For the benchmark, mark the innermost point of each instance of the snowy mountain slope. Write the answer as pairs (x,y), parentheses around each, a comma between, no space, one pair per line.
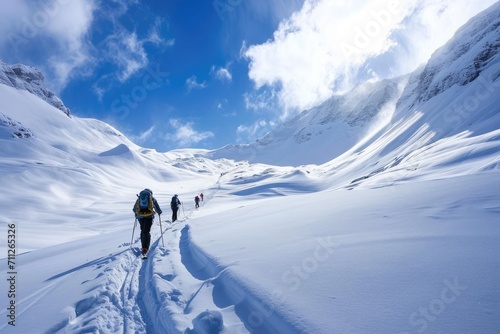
(54,157)
(30,79)
(475,45)
(362,261)
(399,234)
(323,132)
(461,79)
(455,121)
(11,129)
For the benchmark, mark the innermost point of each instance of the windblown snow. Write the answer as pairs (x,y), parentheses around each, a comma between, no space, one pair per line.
(376,212)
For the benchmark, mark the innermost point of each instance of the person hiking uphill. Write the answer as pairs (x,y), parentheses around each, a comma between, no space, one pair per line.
(201,196)
(174,204)
(197,202)
(144,209)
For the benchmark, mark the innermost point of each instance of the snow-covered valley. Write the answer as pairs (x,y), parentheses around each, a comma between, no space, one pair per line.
(395,231)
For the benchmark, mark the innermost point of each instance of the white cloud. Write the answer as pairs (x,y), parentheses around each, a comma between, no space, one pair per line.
(127,52)
(154,35)
(264,100)
(248,133)
(71,21)
(10,15)
(61,24)
(192,83)
(221,73)
(56,35)
(144,136)
(70,27)
(328,46)
(185,135)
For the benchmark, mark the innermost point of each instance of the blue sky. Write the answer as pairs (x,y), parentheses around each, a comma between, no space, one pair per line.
(194,73)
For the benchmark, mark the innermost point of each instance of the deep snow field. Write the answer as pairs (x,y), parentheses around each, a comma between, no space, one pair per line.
(397,232)
(311,249)
(268,253)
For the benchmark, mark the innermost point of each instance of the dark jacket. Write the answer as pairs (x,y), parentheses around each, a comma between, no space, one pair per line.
(175,203)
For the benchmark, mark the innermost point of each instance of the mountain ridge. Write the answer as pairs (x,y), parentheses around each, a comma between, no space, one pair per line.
(433,97)
(362,243)
(476,42)
(455,91)
(339,123)
(32,80)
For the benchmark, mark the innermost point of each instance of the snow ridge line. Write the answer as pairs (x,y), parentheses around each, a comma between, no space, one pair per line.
(257,313)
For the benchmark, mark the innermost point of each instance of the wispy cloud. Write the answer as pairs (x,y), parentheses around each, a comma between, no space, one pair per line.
(222,109)
(263,100)
(143,137)
(328,46)
(155,37)
(184,134)
(192,83)
(248,133)
(221,73)
(62,32)
(127,52)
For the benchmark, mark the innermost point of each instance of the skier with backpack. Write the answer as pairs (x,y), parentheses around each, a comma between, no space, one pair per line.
(174,204)
(197,202)
(144,209)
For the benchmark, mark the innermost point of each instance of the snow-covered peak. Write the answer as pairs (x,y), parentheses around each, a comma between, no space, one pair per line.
(29,78)
(399,234)
(464,73)
(324,132)
(472,50)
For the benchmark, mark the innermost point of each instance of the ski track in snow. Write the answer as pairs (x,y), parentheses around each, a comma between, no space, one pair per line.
(118,296)
(140,296)
(127,296)
(143,296)
(371,264)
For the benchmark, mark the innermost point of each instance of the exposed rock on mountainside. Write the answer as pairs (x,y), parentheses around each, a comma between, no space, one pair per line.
(13,128)
(460,61)
(28,78)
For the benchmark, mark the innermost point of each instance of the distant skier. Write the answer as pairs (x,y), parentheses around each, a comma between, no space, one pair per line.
(197,202)
(174,204)
(144,209)
(201,196)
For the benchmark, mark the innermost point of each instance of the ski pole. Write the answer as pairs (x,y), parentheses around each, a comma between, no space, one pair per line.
(133,230)
(161,232)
